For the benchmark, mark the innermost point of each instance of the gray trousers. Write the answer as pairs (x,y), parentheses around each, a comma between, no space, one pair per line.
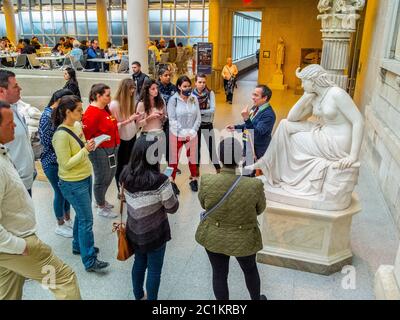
(103,174)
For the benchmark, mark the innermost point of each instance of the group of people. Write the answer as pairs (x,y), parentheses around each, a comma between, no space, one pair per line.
(167,116)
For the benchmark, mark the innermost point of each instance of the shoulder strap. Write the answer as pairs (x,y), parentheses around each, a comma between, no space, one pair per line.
(73,135)
(220,202)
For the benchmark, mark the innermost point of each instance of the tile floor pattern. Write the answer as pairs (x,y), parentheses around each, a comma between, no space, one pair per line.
(187,273)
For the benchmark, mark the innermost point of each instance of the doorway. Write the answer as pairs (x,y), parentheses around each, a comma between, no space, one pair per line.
(246,35)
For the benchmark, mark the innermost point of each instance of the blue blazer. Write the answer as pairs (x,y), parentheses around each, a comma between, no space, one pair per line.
(262,125)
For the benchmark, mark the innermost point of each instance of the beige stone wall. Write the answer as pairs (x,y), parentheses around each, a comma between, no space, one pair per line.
(295,21)
(378,96)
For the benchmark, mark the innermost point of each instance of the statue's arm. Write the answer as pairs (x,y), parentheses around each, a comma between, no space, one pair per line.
(302,109)
(349,109)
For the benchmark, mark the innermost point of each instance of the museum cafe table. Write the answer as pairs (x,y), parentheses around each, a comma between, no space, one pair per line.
(104,60)
(51,60)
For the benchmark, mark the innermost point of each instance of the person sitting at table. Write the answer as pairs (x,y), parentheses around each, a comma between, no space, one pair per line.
(83,46)
(94,52)
(28,49)
(77,52)
(20,45)
(35,42)
(3,49)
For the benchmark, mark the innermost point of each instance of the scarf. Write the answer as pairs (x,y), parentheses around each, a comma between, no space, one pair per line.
(203,98)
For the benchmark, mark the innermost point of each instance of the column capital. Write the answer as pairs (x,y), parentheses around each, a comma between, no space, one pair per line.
(339,16)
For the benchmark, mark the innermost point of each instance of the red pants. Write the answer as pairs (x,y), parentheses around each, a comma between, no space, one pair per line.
(176,145)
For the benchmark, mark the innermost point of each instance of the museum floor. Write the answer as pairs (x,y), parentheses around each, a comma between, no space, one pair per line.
(187,272)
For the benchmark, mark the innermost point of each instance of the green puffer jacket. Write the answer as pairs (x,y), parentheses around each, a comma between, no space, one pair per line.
(232,229)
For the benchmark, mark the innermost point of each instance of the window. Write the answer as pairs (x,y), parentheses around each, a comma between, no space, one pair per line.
(184,21)
(246,32)
(3,31)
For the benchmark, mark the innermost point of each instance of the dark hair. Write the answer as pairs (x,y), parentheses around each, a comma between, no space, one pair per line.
(200,75)
(60,113)
(27,42)
(84,42)
(108,44)
(139,171)
(125,40)
(3,105)
(5,75)
(98,88)
(161,71)
(265,91)
(181,80)
(180,44)
(145,96)
(171,44)
(137,63)
(72,75)
(58,95)
(230,152)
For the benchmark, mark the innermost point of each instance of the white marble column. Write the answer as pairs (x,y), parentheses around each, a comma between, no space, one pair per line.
(138,32)
(338,19)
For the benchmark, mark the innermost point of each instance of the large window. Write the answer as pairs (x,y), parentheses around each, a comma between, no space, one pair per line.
(184,21)
(246,32)
(2,25)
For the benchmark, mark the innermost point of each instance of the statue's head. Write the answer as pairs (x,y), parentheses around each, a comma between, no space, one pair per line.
(312,76)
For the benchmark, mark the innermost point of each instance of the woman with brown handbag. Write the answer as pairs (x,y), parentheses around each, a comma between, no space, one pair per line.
(149,197)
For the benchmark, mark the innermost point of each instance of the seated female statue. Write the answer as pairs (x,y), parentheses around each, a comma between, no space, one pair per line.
(313,163)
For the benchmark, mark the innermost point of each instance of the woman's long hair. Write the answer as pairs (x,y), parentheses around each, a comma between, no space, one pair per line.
(145,96)
(125,99)
(143,168)
(72,75)
(60,113)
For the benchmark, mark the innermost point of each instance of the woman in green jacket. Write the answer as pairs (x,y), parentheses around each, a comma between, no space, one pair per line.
(231,229)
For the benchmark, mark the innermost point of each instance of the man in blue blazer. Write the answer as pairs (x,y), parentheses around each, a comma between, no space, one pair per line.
(258,124)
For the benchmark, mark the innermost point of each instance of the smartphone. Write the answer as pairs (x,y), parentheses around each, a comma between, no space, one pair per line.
(111,161)
(168,171)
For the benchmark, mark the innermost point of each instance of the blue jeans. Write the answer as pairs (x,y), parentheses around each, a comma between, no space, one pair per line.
(60,205)
(153,262)
(79,195)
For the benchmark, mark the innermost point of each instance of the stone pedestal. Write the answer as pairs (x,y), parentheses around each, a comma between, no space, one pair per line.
(277,82)
(316,241)
(387,281)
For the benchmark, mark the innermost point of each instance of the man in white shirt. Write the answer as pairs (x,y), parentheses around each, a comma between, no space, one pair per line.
(22,254)
(20,149)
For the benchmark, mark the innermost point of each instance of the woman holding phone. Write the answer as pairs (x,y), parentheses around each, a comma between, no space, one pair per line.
(75,173)
(98,120)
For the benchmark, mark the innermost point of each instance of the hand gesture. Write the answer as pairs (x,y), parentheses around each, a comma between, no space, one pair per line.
(90,145)
(230,128)
(245,113)
(154,115)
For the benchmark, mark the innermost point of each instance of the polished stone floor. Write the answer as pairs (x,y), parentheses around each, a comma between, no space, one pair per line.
(187,272)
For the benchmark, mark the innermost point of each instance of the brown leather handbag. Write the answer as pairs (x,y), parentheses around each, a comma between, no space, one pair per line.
(125,251)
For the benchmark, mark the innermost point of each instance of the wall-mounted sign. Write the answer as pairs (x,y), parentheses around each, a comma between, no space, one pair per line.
(204,57)
(267,54)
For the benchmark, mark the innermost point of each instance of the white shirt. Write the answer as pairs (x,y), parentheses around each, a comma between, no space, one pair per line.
(17,214)
(20,149)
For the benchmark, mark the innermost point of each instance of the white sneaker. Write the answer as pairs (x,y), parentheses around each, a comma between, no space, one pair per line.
(106,212)
(69,223)
(107,205)
(64,231)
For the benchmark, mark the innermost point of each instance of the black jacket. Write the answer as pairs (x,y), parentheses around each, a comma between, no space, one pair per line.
(73,86)
(139,79)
